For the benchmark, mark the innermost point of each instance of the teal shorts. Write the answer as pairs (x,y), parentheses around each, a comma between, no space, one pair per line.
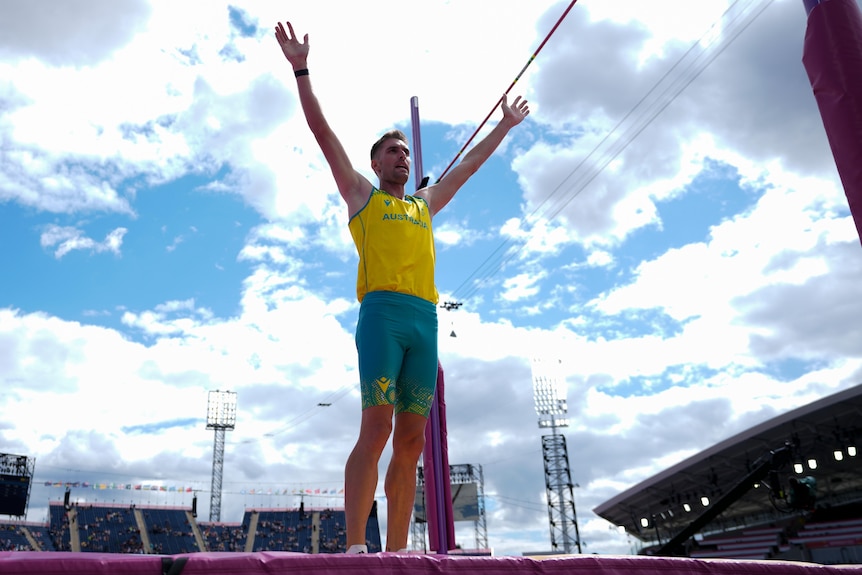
(396,337)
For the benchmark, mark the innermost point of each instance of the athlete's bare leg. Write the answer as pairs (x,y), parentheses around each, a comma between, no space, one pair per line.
(360,473)
(407,444)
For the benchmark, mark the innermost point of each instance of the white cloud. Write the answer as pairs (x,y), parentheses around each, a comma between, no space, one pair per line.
(68,239)
(521,286)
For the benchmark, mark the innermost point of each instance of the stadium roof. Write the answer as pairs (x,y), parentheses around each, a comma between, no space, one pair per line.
(818,430)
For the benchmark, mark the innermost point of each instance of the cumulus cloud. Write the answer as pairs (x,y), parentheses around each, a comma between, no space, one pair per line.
(73,33)
(68,238)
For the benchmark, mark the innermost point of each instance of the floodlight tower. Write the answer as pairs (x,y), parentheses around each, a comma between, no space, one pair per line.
(549,394)
(221,416)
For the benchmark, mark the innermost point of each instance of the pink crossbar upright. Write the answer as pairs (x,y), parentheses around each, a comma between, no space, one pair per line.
(438,492)
(832,56)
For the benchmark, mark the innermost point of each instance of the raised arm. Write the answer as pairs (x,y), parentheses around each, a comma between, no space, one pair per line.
(352,185)
(439,194)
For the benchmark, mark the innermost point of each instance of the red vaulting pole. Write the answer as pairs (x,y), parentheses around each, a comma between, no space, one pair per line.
(832,56)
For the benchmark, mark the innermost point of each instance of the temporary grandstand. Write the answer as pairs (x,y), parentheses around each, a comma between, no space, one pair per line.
(158,530)
(750,496)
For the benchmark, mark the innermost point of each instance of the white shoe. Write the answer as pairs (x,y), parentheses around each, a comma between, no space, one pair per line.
(357,549)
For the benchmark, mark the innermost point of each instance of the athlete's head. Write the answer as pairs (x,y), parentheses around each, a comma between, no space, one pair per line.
(390,158)
(397,134)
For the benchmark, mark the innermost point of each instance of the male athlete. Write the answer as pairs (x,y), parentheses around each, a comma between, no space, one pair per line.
(396,333)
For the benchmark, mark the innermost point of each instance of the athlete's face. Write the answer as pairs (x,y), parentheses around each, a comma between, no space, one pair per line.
(393,161)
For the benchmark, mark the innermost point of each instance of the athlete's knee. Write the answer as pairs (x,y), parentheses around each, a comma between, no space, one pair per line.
(409,437)
(375,428)
(408,446)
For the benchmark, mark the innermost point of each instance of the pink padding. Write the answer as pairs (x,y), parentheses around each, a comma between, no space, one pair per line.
(49,563)
(832,57)
(32,562)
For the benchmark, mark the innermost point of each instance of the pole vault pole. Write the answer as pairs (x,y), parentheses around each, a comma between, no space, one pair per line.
(512,85)
(438,499)
(832,56)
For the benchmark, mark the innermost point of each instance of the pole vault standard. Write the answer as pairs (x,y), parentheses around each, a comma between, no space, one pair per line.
(438,491)
(832,56)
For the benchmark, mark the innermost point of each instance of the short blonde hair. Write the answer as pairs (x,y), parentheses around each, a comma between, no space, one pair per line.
(397,134)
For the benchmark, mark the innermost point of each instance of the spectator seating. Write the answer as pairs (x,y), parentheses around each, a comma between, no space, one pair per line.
(757,543)
(224,536)
(108,529)
(283,530)
(12,538)
(59,523)
(169,531)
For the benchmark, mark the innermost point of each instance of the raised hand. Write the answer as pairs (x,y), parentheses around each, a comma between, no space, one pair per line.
(295,51)
(515,113)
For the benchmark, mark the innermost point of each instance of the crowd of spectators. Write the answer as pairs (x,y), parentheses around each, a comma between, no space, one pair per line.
(170,531)
(282,531)
(59,528)
(12,538)
(110,529)
(224,536)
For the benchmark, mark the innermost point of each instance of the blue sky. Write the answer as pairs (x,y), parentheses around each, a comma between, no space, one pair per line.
(170,228)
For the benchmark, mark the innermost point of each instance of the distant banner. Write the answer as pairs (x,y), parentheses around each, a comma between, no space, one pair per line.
(151,487)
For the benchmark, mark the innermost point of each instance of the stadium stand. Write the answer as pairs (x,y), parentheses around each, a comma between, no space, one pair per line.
(744,544)
(25,536)
(787,489)
(171,531)
(280,529)
(108,530)
(224,537)
(830,542)
(59,527)
(12,538)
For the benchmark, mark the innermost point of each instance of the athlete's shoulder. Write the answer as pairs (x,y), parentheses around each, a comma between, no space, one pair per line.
(419,201)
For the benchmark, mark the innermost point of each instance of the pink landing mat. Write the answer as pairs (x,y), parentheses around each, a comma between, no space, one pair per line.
(28,562)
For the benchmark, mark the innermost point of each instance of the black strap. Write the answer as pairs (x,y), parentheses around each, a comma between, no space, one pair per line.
(171,566)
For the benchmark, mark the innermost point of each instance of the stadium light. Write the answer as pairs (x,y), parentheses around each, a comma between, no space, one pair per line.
(812,463)
(221,410)
(704,501)
(838,455)
(687,507)
(851,451)
(221,417)
(644,522)
(549,393)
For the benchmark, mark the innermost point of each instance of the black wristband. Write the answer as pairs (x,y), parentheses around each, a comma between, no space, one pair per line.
(302,72)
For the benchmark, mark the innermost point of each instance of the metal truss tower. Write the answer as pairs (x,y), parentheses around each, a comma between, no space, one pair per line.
(461,474)
(549,393)
(561,498)
(221,416)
